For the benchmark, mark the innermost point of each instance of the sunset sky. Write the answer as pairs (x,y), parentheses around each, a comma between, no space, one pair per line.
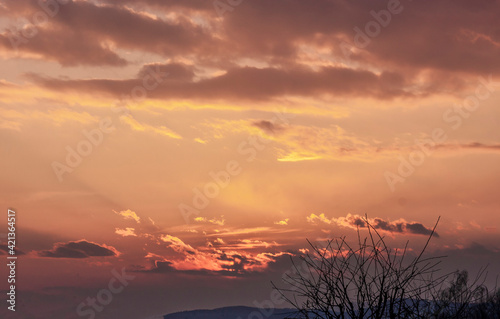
(197,144)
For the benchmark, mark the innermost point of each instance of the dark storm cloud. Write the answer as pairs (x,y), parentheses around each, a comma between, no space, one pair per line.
(79,249)
(417,228)
(402,227)
(399,226)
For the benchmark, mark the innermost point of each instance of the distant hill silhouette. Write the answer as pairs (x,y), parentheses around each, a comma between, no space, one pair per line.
(231,313)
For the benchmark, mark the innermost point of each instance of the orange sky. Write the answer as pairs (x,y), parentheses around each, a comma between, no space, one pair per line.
(198,145)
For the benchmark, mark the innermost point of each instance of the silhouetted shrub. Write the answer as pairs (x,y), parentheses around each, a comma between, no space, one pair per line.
(371,280)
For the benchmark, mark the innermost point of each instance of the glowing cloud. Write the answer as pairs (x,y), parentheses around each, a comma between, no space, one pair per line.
(214,221)
(128,214)
(129,231)
(282,222)
(314,219)
(177,244)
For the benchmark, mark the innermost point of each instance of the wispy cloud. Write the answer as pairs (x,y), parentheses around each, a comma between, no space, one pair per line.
(177,244)
(161,130)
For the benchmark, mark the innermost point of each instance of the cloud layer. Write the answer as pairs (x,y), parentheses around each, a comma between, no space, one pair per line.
(304,55)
